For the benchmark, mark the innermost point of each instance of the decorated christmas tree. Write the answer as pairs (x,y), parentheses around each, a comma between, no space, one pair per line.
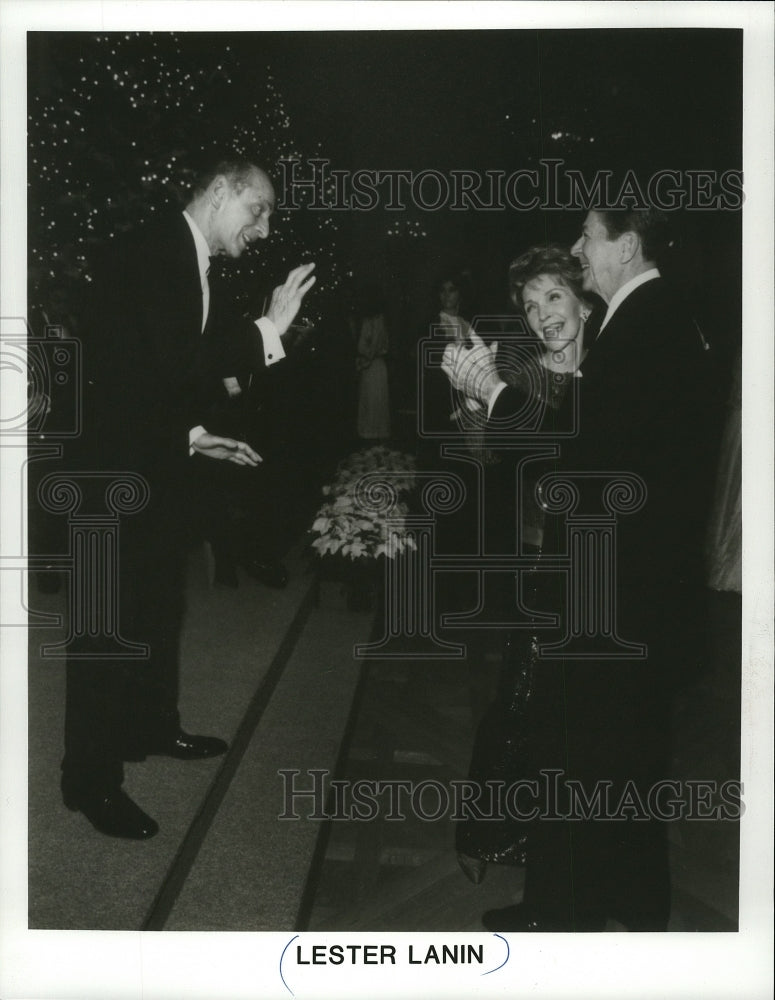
(117,124)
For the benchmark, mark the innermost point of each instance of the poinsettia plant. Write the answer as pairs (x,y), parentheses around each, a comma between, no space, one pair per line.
(349,524)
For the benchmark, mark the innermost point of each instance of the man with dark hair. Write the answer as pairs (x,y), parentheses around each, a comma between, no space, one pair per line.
(616,247)
(152,346)
(651,225)
(604,719)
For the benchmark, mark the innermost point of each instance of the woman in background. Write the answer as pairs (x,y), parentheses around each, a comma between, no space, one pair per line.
(373,396)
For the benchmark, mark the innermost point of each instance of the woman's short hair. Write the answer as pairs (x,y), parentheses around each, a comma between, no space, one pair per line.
(549,259)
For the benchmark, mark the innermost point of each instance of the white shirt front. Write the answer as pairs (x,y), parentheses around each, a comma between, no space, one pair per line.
(203,262)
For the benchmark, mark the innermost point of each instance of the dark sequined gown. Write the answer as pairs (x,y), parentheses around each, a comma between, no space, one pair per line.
(506,733)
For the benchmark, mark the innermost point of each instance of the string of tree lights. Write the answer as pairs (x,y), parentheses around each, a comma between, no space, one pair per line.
(116,125)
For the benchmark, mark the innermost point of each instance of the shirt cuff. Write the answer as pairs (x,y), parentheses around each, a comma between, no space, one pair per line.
(491,402)
(273,346)
(193,434)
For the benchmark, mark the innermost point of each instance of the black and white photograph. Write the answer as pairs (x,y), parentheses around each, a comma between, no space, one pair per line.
(387,469)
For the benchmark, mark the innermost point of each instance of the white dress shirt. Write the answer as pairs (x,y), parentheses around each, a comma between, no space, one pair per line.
(203,261)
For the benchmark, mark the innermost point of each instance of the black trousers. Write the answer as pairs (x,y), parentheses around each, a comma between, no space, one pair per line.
(599,744)
(116,706)
(240,508)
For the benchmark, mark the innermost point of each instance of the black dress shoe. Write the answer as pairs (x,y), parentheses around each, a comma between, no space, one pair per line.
(112,813)
(270,572)
(184,746)
(524,919)
(474,869)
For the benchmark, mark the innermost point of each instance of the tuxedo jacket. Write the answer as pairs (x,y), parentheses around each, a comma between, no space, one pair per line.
(642,398)
(150,369)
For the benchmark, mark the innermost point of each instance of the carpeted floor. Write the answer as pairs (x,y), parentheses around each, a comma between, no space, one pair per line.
(275,678)
(414,722)
(278,679)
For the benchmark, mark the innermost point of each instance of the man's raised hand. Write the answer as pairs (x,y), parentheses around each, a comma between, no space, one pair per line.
(286,299)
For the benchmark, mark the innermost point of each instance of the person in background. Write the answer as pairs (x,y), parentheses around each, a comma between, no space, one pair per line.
(373,422)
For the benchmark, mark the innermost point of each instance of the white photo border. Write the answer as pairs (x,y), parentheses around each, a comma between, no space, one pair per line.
(59,964)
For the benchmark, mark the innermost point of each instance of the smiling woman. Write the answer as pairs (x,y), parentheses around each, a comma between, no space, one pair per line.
(546,283)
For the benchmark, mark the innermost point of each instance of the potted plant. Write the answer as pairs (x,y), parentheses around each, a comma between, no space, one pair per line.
(359,525)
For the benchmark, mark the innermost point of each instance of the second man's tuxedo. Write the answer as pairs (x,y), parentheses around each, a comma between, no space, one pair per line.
(641,400)
(606,721)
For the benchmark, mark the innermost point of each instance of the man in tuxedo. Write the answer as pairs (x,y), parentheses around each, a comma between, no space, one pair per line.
(152,343)
(243,505)
(603,722)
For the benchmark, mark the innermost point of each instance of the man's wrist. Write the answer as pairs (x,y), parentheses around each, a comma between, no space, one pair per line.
(273,345)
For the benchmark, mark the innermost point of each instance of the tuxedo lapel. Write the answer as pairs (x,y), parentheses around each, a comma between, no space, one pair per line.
(620,343)
(187,267)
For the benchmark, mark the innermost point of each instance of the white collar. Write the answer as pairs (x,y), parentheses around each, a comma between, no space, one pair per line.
(202,249)
(621,293)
